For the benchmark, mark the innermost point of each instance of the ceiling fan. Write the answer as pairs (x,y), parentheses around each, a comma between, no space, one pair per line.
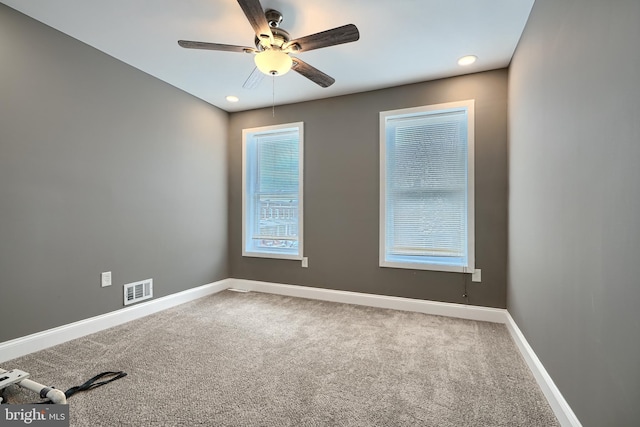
(274,46)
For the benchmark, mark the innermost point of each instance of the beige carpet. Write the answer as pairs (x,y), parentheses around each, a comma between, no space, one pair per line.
(253,359)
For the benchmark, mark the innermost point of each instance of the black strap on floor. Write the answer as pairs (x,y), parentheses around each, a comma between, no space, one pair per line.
(89,385)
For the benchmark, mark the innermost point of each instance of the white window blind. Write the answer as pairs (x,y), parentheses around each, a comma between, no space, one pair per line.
(272,196)
(427,187)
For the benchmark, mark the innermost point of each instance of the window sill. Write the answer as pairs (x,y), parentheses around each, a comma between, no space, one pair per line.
(272,256)
(427,267)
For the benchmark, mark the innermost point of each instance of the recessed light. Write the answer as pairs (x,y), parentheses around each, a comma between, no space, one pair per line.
(232,98)
(467,60)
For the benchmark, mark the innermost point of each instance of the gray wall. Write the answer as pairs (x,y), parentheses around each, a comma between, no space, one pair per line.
(342,185)
(102,168)
(574,234)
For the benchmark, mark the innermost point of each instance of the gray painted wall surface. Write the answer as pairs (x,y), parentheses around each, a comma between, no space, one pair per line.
(342,186)
(574,234)
(102,168)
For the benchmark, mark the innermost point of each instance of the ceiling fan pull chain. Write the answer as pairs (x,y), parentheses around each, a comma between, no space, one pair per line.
(273,95)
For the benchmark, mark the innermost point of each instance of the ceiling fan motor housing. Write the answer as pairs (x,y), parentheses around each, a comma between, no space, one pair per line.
(280,36)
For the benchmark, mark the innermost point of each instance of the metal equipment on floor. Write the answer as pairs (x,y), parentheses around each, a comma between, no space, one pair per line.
(21,379)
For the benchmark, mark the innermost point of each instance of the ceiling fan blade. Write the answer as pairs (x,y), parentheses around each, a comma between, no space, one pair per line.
(255,14)
(214,46)
(345,34)
(254,79)
(312,73)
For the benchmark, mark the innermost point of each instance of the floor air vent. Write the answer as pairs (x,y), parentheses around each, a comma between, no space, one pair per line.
(138,291)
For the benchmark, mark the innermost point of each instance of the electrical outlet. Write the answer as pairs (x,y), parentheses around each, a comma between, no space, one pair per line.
(105,279)
(476,276)
(305,262)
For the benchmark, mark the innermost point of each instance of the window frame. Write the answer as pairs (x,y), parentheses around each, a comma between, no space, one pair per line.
(469,106)
(249,135)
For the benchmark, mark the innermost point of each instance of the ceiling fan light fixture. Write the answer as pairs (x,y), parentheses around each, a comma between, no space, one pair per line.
(273,62)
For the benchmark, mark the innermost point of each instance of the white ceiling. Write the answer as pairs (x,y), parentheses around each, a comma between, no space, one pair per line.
(401,41)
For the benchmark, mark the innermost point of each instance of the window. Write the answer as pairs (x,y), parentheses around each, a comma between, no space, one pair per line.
(272,160)
(426,187)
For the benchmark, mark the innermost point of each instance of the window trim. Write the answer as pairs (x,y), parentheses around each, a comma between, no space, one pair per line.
(246,133)
(384,115)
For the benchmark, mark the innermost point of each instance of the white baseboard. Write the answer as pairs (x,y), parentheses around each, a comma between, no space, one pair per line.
(471,312)
(41,340)
(45,339)
(559,405)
